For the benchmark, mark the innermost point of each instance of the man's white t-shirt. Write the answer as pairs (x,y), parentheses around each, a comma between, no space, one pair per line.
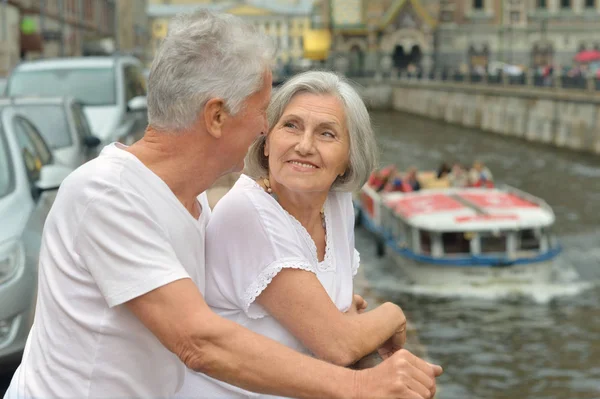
(116,231)
(250,239)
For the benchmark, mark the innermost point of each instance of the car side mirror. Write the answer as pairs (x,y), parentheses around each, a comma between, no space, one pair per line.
(51,176)
(91,141)
(137,104)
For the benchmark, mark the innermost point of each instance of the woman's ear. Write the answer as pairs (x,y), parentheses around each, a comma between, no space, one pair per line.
(266,147)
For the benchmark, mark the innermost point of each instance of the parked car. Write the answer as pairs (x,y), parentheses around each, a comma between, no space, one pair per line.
(29,178)
(112,90)
(63,125)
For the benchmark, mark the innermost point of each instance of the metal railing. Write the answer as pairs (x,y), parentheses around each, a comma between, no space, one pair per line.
(532,80)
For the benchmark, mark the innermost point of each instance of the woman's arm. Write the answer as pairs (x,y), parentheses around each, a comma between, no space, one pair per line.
(299,302)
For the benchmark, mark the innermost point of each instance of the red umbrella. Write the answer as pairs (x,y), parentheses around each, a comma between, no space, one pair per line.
(587,56)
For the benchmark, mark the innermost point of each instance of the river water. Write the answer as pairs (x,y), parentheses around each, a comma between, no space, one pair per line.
(542,345)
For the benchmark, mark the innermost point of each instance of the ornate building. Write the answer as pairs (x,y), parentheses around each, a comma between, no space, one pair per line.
(380,35)
(285,21)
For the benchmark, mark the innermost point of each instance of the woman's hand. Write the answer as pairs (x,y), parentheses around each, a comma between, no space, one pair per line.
(358,305)
(395,342)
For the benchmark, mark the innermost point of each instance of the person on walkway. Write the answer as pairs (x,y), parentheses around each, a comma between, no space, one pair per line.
(287,272)
(120,311)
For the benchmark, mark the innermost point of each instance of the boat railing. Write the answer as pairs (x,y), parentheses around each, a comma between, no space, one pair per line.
(528,197)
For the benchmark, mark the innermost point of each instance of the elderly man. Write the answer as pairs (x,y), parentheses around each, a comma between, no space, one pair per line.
(120,310)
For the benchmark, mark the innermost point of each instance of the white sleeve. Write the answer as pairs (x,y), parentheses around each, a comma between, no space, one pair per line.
(249,241)
(124,249)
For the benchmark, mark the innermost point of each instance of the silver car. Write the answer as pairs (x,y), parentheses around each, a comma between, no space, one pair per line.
(112,90)
(29,179)
(63,125)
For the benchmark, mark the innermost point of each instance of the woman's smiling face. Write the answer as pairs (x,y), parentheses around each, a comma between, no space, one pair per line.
(308,148)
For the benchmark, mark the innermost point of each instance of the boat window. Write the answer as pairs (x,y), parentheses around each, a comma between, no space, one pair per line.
(528,240)
(425,237)
(456,242)
(492,242)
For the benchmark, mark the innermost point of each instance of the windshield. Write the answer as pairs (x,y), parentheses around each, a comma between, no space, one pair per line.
(90,86)
(6,170)
(51,122)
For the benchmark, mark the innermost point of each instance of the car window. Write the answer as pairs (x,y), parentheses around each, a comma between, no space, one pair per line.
(31,157)
(36,138)
(91,86)
(135,84)
(81,123)
(6,170)
(51,122)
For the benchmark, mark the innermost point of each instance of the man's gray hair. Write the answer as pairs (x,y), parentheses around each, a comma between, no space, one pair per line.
(205,55)
(363,148)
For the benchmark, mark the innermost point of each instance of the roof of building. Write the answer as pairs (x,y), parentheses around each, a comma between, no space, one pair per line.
(299,7)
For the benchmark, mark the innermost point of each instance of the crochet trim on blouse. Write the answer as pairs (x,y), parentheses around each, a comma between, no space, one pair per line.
(264,279)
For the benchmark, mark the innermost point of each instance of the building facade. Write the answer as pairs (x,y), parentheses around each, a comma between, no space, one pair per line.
(52,28)
(285,21)
(532,33)
(384,35)
(133,33)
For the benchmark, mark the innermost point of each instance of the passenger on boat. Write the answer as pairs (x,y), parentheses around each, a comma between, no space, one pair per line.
(286,272)
(411,179)
(458,177)
(480,175)
(379,179)
(443,170)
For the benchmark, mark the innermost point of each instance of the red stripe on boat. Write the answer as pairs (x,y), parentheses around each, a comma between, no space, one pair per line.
(424,204)
(497,200)
(484,218)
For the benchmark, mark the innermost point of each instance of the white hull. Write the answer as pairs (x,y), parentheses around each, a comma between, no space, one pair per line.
(428,274)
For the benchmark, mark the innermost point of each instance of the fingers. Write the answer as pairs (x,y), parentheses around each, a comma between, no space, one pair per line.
(399,339)
(437,370)
(418,363)
(360,302)
(421,373)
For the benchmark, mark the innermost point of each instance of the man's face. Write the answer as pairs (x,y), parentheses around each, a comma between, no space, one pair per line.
(241,130)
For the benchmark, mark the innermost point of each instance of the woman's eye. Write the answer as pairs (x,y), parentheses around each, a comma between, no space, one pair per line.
(290,125)
(328,134)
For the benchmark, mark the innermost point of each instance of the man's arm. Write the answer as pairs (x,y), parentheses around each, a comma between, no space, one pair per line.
(179,317)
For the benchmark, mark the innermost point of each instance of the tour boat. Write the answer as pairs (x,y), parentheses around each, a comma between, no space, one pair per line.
(477,236)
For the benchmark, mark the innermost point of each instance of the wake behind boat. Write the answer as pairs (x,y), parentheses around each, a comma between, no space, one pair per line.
(465,235)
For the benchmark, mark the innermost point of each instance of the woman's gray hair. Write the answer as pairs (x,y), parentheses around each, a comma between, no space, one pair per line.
(363,148)
(205,55)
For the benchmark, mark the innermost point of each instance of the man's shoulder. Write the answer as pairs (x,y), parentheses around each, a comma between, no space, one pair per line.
(96,176)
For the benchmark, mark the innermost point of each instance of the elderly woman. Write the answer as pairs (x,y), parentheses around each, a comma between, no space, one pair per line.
(280,245)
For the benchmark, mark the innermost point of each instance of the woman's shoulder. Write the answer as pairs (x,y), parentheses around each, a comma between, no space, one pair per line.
(244,199)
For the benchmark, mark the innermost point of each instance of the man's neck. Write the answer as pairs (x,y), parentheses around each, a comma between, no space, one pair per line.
(182,161)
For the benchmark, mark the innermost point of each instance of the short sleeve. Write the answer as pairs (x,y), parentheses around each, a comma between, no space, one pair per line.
(126,251)
(250,239)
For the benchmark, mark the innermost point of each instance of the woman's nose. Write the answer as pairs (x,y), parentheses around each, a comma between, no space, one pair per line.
(305,143)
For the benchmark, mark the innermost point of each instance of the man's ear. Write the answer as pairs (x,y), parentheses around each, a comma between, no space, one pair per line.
(215,115)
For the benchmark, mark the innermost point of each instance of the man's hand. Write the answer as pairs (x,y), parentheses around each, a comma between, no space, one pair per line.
(401,376)
(358,306)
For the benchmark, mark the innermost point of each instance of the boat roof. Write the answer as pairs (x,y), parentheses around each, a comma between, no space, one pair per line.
(470,209)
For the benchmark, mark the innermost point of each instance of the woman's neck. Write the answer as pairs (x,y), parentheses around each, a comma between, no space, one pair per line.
(305,207)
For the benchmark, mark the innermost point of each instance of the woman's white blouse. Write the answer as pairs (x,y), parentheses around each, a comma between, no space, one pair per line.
(250,238)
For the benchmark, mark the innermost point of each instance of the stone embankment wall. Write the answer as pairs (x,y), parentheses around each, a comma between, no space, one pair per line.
(559,117)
